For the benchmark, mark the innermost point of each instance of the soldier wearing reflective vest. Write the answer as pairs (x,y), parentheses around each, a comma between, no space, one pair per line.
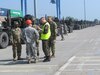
(45,35)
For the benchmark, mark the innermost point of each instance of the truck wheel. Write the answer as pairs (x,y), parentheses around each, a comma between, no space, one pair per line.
(4,40)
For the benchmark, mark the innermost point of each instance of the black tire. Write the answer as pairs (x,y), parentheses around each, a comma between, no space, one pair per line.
(4,40)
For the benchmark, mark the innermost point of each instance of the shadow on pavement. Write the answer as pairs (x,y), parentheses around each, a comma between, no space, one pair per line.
(23,61)
(6,60)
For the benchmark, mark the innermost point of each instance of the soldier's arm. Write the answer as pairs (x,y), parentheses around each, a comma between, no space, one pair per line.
(38,28)
(55,27)
(46,29)
(11,37)
(20,32)
(36,34)
(23,35)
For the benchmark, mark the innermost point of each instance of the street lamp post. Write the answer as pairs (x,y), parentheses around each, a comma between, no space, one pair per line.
(25,1)
(22,6)
(84,10)
(35,9)
(58,7)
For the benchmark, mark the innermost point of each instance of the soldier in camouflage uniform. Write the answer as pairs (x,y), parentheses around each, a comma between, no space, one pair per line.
(59,28)
(53,28)
(16,41)
(31,35)
(37,42)
(45,35)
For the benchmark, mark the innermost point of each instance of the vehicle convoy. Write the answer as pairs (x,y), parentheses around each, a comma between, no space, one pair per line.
(7,18)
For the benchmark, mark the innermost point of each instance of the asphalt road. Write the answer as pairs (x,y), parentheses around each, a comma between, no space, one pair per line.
(78,54)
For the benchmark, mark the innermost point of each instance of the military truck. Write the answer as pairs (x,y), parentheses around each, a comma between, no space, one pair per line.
(7,17)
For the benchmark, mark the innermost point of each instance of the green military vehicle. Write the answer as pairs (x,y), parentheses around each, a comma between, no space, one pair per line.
(7,17)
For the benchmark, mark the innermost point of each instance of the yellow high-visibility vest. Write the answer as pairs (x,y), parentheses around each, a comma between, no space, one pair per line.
(46,36)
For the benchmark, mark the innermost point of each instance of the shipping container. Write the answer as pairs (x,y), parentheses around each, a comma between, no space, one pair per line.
(3,12)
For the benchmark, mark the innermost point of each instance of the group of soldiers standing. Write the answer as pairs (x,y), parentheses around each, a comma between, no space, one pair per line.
(31,35)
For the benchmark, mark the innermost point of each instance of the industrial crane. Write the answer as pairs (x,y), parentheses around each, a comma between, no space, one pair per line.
(57,2)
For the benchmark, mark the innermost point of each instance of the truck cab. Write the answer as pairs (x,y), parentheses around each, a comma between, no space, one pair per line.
(7,17)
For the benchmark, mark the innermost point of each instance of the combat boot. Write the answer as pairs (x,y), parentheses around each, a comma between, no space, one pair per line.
(47,59)
(62,39)
(19,58)
(29,61)
(35,60)
(37,54)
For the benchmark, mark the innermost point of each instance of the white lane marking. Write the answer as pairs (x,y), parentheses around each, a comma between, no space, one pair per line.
(83,64)
(88,57)
(72,70)
(91,40)
(65,66)
(80,66)
(96,43)
(26,68)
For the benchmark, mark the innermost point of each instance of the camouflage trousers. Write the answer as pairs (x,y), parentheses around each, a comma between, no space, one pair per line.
(16,47)
(31,50)
(37,47)
(45,48)
(51,44)
(61,33)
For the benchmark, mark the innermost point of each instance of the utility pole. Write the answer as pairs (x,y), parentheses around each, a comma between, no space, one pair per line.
(35,15)
(84,10)
(22,6)
(25,2)
(58,7)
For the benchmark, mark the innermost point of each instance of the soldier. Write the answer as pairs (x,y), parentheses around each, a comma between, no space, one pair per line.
(53,28)
(37,42)
(65,29)
(61,31)
(60,28)
(16,41)
(45,35)
(31,35)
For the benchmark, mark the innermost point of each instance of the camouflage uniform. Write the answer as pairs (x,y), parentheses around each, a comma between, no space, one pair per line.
(37,42)
(53,28)
(16,42)
(61,31)
(45,35)
(60,28)
(31,35)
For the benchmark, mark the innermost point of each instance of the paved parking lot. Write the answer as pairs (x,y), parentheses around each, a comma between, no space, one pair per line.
(78,54)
